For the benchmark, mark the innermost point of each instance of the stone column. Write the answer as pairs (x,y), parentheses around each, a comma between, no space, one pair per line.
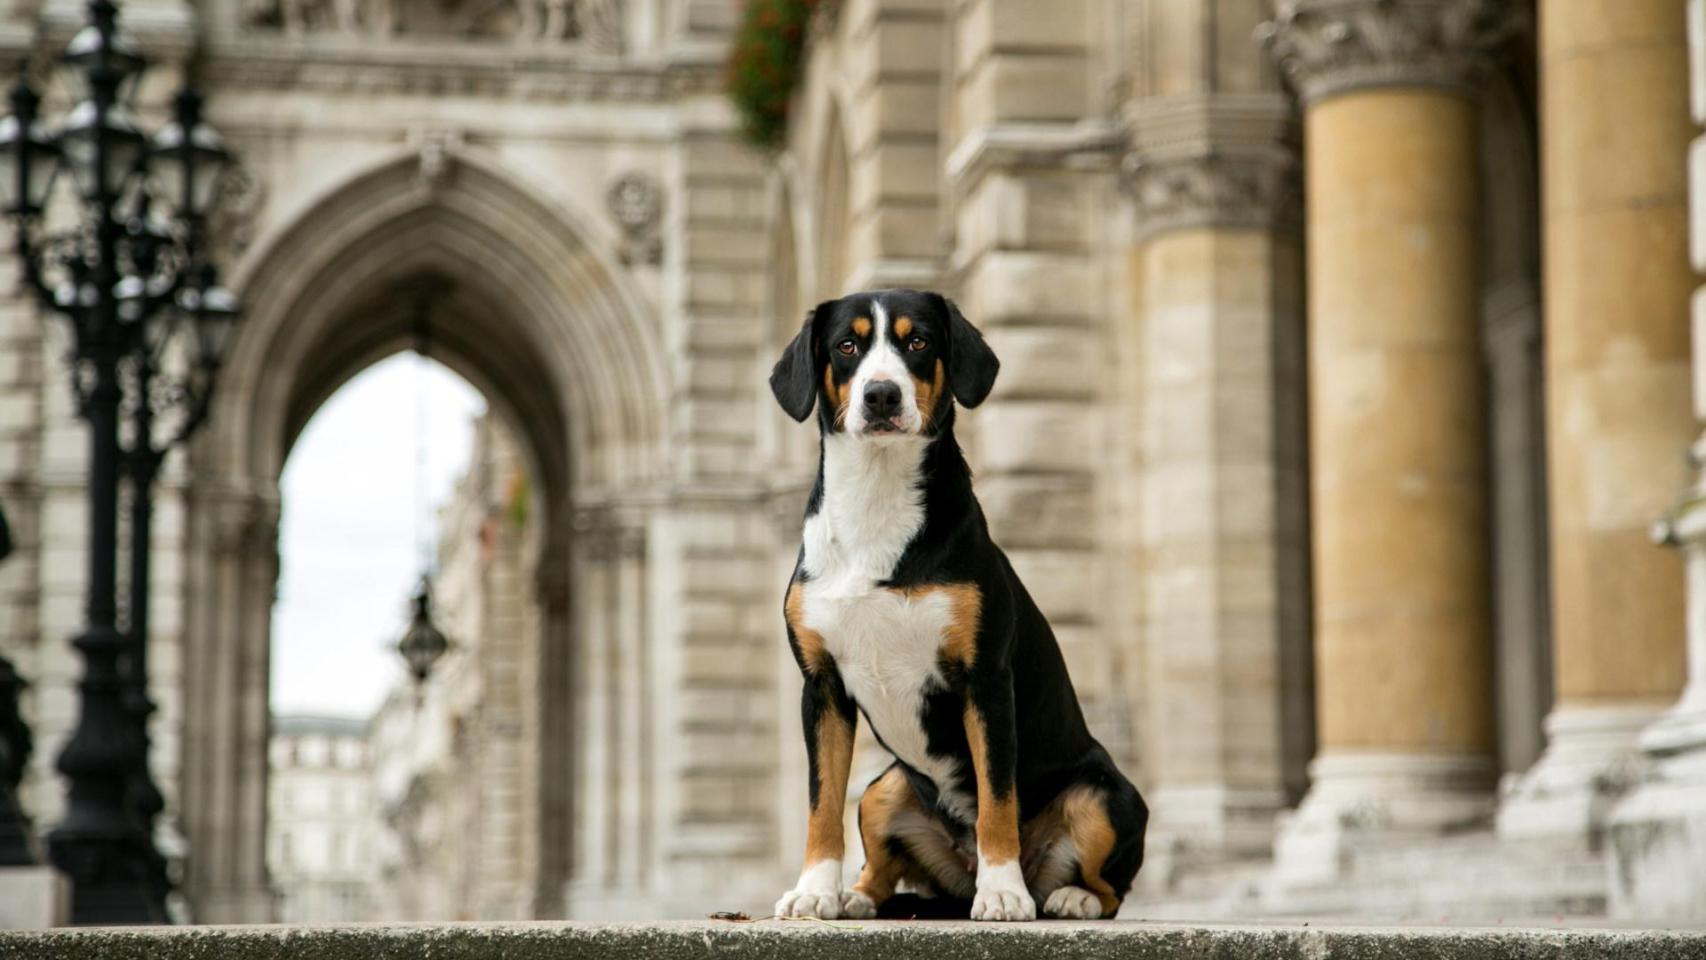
(594,753)
(1615,133)
(226,717)
(1223,557)
(1398,462)
(1658,834)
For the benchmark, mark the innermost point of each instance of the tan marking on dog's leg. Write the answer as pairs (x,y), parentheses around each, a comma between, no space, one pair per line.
(997,817)
(825,830)
(1093,835)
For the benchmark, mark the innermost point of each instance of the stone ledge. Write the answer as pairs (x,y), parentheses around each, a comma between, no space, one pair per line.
(864,940)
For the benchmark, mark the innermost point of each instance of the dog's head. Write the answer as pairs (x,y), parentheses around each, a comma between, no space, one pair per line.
(882,365)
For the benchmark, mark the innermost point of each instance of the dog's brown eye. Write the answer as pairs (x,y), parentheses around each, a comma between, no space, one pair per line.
(847,347)
(916,344)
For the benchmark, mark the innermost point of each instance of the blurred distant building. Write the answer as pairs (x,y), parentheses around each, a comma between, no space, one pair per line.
(450,783)
(1331,436)
(321,849)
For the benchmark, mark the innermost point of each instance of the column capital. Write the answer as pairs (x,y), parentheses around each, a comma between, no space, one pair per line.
(1328,47)
(1213,160)
(1214,188)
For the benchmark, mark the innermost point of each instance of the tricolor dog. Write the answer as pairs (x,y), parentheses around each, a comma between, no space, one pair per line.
(901,608)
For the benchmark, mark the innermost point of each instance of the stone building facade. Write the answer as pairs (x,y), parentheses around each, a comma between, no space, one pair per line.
(1330,435)
(321,828)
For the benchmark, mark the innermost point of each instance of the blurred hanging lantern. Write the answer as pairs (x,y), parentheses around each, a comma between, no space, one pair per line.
(423,643)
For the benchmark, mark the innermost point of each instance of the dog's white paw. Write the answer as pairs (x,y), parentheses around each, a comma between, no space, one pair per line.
(1073,903)
(1003,905)
(810,903)
(1001,894)
(857,906)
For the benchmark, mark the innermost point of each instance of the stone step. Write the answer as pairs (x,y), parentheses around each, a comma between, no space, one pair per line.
(860,940)
(1465,878)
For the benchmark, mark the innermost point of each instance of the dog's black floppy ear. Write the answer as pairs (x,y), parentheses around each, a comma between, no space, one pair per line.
(971,364)
(794,378)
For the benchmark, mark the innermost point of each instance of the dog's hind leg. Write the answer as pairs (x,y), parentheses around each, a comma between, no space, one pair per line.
(1081,854)
(903,842)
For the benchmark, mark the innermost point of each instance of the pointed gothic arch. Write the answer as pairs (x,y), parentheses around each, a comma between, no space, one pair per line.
(527,304)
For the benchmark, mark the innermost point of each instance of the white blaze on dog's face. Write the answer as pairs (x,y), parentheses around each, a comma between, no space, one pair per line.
(883,396)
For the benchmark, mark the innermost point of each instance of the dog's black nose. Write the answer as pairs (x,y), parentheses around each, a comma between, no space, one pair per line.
(882,399)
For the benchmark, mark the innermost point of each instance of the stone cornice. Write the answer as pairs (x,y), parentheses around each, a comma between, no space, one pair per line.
(1333,46)
(439,69)
(1087,145)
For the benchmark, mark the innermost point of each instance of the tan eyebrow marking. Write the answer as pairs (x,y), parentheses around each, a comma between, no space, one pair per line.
(862,327)
(902,328)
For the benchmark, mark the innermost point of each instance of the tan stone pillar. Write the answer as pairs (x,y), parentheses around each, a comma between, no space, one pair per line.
(1223,559)
(1615,131)
(1398,421)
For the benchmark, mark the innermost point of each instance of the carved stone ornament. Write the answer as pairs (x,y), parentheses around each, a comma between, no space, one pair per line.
(636,204)
(438,151)
(231,227)
(594,24)
(1332,46)
(1215,189)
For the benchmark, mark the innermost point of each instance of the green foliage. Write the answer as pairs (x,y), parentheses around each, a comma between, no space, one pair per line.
(765,62)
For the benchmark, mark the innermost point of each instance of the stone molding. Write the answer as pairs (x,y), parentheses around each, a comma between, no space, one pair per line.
(593,24)
(1088,145)
(1328,47)
(1215,188)
(544,74)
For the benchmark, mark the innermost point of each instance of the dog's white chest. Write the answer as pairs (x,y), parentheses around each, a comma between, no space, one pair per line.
(886,646)
(885,643)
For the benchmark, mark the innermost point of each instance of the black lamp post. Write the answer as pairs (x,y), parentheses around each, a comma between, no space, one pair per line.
(133,289)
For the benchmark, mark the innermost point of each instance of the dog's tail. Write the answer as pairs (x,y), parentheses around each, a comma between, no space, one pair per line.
(911,906)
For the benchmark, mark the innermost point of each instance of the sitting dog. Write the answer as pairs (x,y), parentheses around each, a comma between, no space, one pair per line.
(900,607)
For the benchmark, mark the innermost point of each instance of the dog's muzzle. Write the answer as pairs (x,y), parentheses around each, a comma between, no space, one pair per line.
(882,402)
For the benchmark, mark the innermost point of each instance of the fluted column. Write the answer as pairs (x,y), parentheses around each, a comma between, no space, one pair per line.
(1615,132)
(1398,457)
(1218,338)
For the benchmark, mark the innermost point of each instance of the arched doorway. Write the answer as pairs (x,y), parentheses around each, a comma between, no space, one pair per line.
(533,314)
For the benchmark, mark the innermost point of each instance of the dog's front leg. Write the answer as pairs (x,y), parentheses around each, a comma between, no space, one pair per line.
(1001,892)
(829,716)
